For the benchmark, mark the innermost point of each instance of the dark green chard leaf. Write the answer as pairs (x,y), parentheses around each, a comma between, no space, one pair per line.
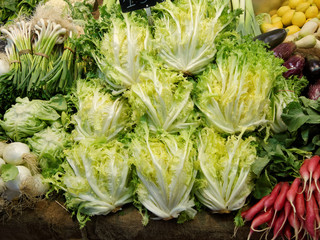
(264,185)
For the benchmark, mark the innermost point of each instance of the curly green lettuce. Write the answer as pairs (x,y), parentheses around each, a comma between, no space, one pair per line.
(233,94)
(166,172)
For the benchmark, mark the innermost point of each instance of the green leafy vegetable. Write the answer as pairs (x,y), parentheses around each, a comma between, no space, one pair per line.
(121,49)
(49,145)
(185,32)
(26,117)
(96,177)
(11,9)
(165,168)
(233,94)
(284,92)
(8,172)
(226,170)
(164,97)
(303,120)
(99,115)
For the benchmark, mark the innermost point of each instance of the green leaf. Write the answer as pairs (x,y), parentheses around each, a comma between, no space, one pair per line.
(259,164)
(264,185)
(294,116)
(238,220)
(9,172)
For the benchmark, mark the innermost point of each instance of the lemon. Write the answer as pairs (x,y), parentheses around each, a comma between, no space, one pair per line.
(277,24)
(312,11)
(299,19)
(294,3)
(275,19)
(287,17)
(282,10)
(292,29)
(317,2)
(266,27)
(302,7)
(274,16)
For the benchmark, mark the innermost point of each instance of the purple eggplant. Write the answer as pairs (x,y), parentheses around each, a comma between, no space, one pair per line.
(272,38)
(295,65)
(314,90)
(312,68)
(284,50)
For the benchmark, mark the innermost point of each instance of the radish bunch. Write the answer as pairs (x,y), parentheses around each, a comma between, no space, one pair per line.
(290,211)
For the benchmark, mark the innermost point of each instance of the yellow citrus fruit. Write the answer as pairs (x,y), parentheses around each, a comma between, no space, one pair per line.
(292,29)
(312,11)
(317,2)
(287,17)
(275,19)
(282,10)
(294,3)
(277,24)
(302,7)
(265,27)
(299,19)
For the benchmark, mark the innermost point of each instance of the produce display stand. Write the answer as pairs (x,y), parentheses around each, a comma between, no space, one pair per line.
(50,221)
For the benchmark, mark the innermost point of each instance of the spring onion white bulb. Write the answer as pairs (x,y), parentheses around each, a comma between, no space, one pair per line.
(2,146)
(15,153)
(18,183)
(4,64)
(39,187)
(2,162)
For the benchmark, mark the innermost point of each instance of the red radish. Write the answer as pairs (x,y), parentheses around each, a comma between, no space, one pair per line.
(310,225)
(311,189)
(281,199)
(316,176)
(300,204)
(243,213)
(312,165)
(273,195)
(260,219)
(295,223)
(292,192)
(304,172)
(287,231)
(278,224)
(286,213)
(255,209)
(317,197)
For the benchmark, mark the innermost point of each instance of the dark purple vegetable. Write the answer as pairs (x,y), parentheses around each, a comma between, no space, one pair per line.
(312,68)
(314,90)
(272,38)
(294,65)
(284,50)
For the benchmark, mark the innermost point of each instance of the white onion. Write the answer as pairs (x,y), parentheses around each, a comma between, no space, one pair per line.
(2,162)
(39,187)
(2,146)
(23,176)
(14,152)
(4,67)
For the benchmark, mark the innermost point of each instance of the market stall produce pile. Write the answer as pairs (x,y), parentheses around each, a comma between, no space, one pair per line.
(174,115)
